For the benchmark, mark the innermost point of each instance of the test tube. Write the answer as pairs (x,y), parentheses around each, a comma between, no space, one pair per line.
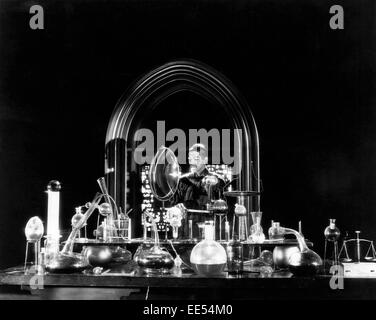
(144,225)
(227,231)
(190,226)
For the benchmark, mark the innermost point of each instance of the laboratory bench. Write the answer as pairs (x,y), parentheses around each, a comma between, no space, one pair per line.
(119,284)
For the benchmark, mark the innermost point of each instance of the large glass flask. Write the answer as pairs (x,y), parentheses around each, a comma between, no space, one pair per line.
(208,257)
(156,259)
(305,261)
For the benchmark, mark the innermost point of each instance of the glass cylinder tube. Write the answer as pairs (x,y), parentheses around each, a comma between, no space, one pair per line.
(234,252)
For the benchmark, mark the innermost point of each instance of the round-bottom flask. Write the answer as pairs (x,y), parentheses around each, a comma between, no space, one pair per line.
(208,257)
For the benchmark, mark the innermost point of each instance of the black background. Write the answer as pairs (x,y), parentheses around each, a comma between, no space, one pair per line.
(311,90)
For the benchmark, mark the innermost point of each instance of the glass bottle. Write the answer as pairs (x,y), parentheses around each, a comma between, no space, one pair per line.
(208,257)
(275,231)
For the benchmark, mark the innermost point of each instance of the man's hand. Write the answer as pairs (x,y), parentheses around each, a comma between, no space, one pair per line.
(182,208)
(210,180)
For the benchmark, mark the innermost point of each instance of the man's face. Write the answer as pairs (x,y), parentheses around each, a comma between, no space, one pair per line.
(196,161)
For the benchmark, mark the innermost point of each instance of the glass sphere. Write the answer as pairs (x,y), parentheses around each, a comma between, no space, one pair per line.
(76,219)
(281,255)
(266,256)
(220,207)
(240,210)
(105,209)
(98,256)
(54,185)
(305,263)
(34,229)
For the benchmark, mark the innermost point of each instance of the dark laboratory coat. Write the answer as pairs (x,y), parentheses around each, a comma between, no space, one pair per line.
(193,193)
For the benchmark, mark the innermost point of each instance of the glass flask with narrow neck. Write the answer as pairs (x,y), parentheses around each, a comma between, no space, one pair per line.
(331,232)
(208,257)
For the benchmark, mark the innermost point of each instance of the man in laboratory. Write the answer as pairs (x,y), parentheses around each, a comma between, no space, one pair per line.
(195,190)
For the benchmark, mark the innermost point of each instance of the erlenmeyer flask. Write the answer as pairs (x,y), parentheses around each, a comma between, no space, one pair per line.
(256,232)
